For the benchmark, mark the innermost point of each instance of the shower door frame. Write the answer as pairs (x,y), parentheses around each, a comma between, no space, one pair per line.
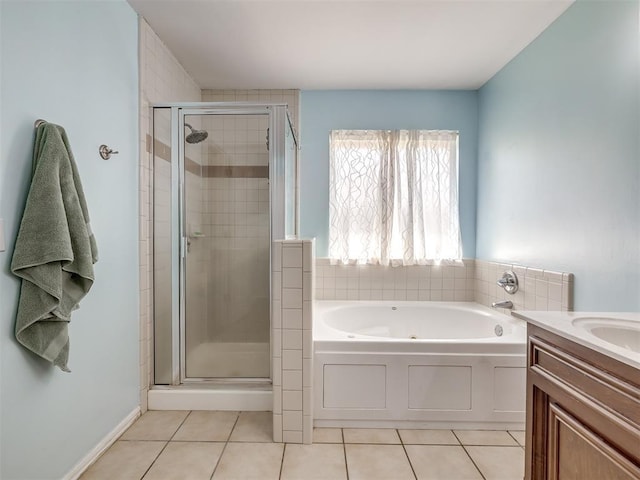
(278,115)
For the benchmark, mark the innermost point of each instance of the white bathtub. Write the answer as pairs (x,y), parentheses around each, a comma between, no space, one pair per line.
(418,364)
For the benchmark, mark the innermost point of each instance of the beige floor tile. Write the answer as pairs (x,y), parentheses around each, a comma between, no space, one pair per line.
(250,461)
(204,426)
(253,427)
(124,459)
(428,437)
(518,435)
(370,435)
(186,461)
(441,462)
(317,462)
(155,425)
(373,462)
(327,435)
(499,463)
(485,437)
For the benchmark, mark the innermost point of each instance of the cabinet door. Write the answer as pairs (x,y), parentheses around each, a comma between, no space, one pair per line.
(577,453)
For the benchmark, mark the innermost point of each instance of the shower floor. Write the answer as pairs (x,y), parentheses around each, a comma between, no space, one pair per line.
(229,360)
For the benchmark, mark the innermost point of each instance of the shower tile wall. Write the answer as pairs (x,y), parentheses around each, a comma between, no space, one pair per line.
(290,97)
(162,79)
(236,220)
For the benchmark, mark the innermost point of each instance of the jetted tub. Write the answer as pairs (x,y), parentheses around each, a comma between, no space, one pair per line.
(418,364)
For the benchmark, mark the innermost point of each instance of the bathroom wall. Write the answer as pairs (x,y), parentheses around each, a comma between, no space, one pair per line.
(162,79)
(323,111)
(73,63)
(558,167)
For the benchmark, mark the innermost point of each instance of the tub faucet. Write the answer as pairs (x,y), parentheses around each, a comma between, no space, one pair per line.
(502,304)
(508,282)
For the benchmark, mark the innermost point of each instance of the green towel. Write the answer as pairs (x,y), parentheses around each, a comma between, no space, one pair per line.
(55,249)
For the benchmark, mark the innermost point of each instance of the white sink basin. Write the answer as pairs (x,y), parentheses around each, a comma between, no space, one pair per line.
(624,333)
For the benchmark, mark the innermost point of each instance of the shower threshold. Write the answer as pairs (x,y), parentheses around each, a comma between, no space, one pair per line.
(213,395)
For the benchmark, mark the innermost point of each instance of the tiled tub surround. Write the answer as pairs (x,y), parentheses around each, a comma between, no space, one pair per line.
(474,281)
(542,290)
(376,282)
(292,340)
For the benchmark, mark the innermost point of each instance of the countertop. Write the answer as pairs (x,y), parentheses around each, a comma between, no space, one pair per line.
(561,324)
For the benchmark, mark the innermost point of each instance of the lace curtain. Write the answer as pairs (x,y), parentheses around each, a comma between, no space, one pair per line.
(394,197)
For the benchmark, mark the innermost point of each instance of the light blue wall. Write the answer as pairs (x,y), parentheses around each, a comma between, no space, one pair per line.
(73,63)
(559,156)
(323,111)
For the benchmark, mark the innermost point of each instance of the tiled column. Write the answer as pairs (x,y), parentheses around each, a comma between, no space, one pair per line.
(292,340)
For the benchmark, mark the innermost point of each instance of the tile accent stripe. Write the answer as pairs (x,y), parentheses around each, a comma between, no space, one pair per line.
(230,171)
(163,151)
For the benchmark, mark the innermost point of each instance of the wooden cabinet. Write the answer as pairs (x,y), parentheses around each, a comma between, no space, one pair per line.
(583,412)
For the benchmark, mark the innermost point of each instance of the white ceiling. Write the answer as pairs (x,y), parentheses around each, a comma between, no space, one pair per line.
(347,44)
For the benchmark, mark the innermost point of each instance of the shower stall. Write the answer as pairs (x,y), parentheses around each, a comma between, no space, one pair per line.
(224,186)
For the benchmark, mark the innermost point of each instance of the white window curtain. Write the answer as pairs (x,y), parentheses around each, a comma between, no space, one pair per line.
(394,197)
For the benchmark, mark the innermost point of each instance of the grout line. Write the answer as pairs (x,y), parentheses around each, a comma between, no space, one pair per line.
(234,426)
(516,440)
(469,455)
(165,445)
(181,423)
(404,449)
(344,451)
(219,459)
(456,437)
(225,445)
(284,451)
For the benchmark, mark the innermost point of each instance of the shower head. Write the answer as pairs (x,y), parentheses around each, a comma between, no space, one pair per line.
(196,136)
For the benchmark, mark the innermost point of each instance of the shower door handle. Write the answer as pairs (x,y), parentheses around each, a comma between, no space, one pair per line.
(184,247)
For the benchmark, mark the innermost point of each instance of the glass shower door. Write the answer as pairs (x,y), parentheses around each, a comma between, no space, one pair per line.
(224,186)
(226,223)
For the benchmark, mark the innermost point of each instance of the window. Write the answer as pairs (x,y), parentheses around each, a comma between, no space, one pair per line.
(394,197)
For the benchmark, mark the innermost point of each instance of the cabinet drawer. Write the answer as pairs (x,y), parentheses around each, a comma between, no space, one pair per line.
(596,387)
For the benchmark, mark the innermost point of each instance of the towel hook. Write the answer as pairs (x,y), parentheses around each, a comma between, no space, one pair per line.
(106,152)
(39,122)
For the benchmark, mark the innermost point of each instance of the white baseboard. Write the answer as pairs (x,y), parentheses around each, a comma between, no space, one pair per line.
(102,446)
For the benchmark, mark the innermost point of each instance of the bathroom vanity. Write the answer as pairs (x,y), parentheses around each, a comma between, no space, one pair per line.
(583,396)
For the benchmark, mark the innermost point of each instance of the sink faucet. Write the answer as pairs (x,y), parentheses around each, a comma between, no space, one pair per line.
(502,304)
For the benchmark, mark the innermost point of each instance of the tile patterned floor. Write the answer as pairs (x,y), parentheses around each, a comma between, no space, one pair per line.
(181,445)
